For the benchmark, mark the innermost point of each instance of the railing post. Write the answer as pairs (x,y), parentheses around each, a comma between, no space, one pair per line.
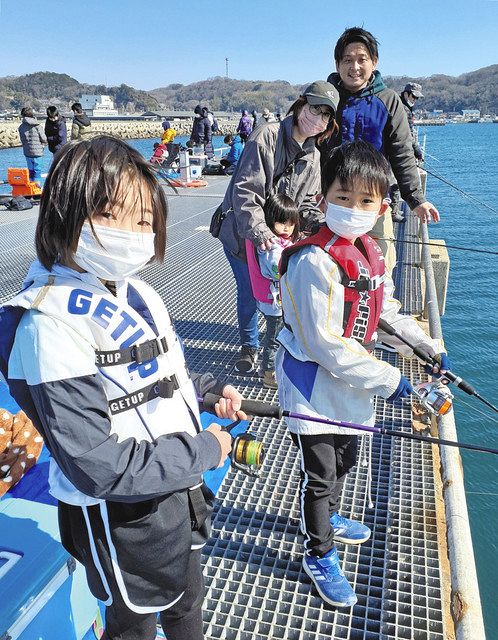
(465,602)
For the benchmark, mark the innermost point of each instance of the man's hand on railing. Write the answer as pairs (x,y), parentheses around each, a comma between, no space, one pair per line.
(427,212)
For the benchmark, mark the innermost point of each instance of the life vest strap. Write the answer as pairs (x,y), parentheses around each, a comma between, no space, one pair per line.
(138,353)
(163,388)
(365,284)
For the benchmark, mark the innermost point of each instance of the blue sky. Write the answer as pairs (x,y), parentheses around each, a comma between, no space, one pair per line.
(151,43)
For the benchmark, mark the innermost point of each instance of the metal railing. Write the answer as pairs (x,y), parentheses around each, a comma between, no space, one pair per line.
(465,602)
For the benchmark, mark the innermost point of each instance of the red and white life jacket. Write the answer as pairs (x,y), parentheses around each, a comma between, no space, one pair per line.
(362,264)
(261,286)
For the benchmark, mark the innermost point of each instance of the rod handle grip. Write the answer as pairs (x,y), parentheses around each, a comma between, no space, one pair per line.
(251,407)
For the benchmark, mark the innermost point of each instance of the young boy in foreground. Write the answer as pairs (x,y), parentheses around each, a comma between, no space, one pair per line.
(334,290)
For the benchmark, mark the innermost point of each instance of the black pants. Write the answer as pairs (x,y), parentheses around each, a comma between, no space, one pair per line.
(325,460)
(182,621)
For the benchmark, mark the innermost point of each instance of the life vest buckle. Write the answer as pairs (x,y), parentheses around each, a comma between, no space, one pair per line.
(366,284)
(167,386)
(148,350)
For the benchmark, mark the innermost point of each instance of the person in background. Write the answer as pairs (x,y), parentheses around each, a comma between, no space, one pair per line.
(279,157)
(127,447)
(33,140)
(255,118)
(202,132)
(168,134)
(409,96)
(213,121)
(267,116)
(55,129)
(326,366)
(160,153)
(229,162)
(282,218)
(81,128)
(245,126)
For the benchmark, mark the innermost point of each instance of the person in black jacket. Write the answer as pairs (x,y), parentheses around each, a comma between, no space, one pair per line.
(201,128)
(55,129)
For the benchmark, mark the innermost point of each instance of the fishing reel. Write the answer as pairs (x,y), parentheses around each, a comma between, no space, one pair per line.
(247,452)
(435,397)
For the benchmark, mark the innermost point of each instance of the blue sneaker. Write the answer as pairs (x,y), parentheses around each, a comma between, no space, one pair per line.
(349,531)
(329,579)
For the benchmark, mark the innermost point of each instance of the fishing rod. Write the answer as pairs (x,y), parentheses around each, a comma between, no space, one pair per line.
(266,410)
(445,246)
(420,353)
(460,191)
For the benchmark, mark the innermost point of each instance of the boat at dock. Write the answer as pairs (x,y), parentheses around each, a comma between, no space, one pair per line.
(412,579)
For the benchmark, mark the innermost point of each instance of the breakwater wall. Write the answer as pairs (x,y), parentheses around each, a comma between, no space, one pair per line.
(125,129)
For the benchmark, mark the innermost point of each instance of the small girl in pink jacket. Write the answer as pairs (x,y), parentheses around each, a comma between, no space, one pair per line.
(282,217)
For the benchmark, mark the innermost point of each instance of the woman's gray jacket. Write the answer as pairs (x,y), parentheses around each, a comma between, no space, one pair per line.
(272,161)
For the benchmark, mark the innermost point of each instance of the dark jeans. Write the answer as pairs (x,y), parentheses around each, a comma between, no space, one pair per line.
(247,312)
(270,344)
(182,621)
(325,460)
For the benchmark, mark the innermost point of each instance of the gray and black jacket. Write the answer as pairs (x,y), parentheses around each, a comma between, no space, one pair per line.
(272,161)
(32,137)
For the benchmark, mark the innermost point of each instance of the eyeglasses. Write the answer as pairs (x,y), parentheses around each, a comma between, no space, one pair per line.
(318,110)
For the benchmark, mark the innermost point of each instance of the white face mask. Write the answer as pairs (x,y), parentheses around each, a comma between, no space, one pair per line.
(123,252)
(349,223)
(411,103)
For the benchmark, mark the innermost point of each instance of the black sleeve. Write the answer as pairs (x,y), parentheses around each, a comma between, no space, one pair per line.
(399,150)
(74,421)
(207,383)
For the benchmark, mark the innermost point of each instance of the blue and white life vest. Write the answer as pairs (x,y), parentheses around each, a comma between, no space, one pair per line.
(127,340)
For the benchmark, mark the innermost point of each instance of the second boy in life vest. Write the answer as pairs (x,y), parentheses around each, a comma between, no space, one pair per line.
(333,293)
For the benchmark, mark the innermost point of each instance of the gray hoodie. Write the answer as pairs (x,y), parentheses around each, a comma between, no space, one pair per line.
(271,161)
(32,137)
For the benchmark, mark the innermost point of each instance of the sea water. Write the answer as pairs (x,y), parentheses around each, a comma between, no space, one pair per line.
(467,156)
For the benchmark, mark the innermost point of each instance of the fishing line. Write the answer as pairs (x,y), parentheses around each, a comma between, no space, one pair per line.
(486,415)
(445,246)
(434,173)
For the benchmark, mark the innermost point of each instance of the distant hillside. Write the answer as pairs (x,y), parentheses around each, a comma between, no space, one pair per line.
(477,89)
(226,94)
(474,90)
(43,88)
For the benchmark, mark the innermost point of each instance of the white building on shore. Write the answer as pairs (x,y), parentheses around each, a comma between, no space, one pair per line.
(98,106)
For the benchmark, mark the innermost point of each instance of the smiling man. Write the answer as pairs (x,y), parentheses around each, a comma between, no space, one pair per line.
(369,111)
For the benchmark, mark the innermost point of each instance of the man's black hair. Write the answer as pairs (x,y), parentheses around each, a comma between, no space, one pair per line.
(52,112)
(76,107)
(27,112)
(357,162)
(356,34)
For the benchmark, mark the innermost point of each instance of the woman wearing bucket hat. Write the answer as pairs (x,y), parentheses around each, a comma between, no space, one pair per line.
(279,157)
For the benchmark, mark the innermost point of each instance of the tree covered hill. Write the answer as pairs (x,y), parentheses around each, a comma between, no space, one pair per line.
(43,88)
(477,89)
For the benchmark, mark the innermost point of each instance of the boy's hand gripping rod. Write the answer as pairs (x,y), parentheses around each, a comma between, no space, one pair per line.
(265,410)
(423,355)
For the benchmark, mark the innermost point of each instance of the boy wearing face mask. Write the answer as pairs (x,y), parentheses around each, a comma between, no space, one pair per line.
(334,290)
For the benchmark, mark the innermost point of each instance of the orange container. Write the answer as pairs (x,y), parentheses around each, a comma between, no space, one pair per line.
(21,184)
